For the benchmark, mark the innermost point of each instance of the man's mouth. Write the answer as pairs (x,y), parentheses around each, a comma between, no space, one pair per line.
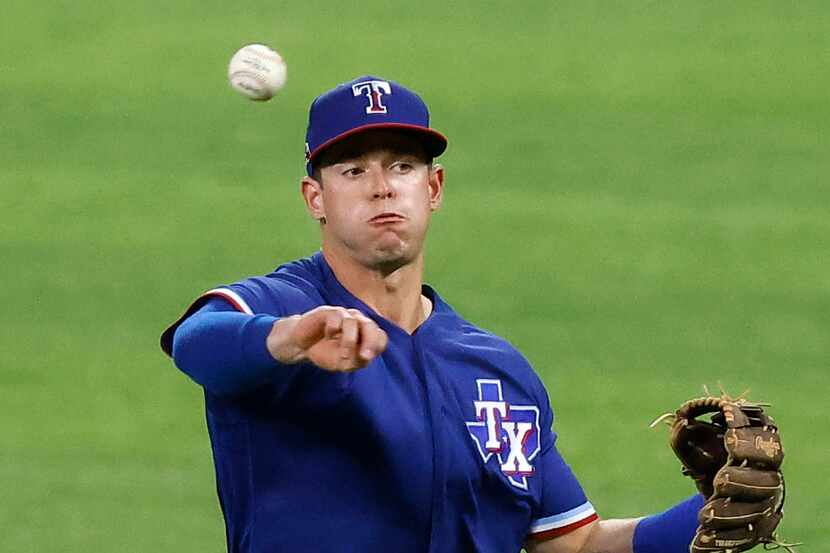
(387,217)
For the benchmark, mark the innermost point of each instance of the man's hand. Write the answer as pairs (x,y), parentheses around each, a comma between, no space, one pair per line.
(333,338)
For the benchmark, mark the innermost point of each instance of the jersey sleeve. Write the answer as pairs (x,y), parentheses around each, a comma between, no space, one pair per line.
(242,367)
(244,296)
(225,351)
(563,506)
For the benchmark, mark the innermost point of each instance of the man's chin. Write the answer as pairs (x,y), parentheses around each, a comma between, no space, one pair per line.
(390,259)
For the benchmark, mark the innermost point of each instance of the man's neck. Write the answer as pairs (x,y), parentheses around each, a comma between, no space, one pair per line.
(395,296)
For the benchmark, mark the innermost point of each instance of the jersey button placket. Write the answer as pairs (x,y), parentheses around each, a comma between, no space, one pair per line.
(431,388)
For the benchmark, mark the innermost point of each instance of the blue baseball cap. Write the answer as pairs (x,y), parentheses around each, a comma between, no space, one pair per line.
(367,103)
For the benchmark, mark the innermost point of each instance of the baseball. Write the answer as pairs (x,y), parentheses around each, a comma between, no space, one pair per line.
(257,72)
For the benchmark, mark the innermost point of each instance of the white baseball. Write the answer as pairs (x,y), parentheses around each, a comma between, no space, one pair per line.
(257,72)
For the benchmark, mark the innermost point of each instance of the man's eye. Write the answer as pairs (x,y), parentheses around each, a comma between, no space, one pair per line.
(352,172)
(402,167)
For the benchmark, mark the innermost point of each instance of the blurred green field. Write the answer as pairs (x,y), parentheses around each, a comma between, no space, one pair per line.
(637,197)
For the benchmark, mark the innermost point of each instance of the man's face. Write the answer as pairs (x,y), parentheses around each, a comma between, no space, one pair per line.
(376,192)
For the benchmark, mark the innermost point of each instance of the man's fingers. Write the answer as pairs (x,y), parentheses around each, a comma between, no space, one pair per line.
(336,338)
(373,340)
(350,330)
(334,322)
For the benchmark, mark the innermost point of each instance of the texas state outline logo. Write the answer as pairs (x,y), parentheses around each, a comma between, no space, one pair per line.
(510,433)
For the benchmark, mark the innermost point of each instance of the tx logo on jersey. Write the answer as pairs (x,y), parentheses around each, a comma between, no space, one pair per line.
(508,432)
(374,91)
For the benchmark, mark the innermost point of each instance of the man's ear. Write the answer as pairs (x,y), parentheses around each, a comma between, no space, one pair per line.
(312,192)
(436,186)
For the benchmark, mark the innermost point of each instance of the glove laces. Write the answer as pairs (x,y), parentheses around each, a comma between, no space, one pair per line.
(778,543)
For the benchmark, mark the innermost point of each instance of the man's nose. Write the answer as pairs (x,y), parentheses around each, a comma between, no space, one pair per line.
(381,188)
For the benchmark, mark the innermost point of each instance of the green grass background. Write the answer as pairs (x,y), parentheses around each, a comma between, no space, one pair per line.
(637,196)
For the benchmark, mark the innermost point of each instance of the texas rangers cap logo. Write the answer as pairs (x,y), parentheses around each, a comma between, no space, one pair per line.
(374,91)
(510,433)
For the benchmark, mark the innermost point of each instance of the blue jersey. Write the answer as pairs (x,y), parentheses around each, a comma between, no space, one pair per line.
(443,443)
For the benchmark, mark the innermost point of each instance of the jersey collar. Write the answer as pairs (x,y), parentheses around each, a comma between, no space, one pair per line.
(439,306)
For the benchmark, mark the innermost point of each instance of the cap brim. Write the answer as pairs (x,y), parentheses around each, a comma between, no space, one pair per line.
(435,142)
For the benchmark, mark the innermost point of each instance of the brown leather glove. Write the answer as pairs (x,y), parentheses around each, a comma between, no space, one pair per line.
(734,459)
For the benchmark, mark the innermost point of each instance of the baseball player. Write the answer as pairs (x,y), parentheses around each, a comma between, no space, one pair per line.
(350,408)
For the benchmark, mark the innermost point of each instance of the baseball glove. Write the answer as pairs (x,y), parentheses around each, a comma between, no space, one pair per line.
(734,459)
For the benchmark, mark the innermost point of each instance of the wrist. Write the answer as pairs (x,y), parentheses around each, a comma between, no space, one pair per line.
(280,343)
(670,531)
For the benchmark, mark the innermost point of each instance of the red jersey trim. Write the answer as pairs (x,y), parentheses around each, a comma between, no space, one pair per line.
(556,532)
(231,297)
